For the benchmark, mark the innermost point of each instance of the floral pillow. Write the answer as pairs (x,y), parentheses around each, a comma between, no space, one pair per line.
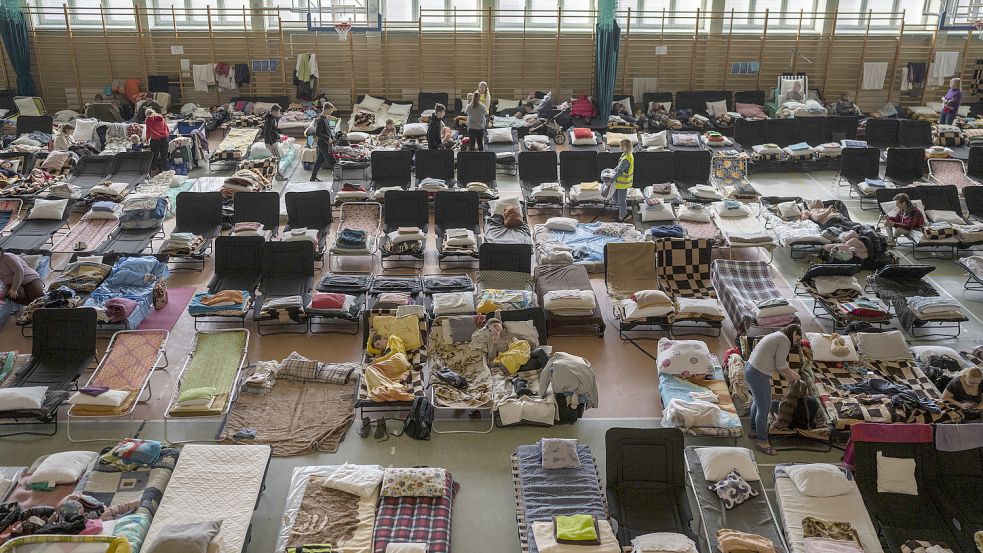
(684,358)
(733,490)
(414,482)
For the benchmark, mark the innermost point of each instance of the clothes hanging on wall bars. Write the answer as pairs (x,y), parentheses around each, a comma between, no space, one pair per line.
(305,76)
(241,71)
(203,76)
(913,75)
(944,66)
(874,73)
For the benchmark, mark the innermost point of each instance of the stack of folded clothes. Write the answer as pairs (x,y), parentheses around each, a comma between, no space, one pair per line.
(706,192)
(249,228)
(181,243)
(865,307)
(405,240)
(352,192)
(299,234)
(774,312)
(285,309)
(870,186)
(245,180)
(142,212)
(113,191)
(62,190)
(433,185)
(570,303)
(103,210)
(586,191)
(352,240)
(223,303)
(934,307)
(547,191)
(329,303)
(667,231)
(460,240)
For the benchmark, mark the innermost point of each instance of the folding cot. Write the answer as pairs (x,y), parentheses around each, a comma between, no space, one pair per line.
(691,168)
(478,167)
(132,278)
(287,279)
(974,163)
(899,285)
(642,464)
(685,141)
(593,144)
(510,407)
(560,280)
(743,230)
(682,267)
(404,209)
(307,498)
(577,168)
(258,207)
(416,519)
(9,210)
(33,234)
(843,127)
(801,236)
(653,168)
(535,170)
(214,483)
(127,366)
(856,166)
(496,231)
(235,146)
(542,494)
(412,286)
(741,285)
(365,219)
(839,303)
(63,347)
(310,210)
(755,515)
(506,151)
(200,214)
(796,505)
(434,164)
(782,132)
(914,133)
(391,168)
(504,280)
(238,266)
(813,130)
(456,210)
(585,243)
(356,286)
(749,133)
(946,226)
(630,268)
(445,284)
(215,362)
(87,235)
(950,171)
(130,167)
(135,236)
(379,392)
(901,515)
(905,166)
(881,133)
(454,353)
(675,388)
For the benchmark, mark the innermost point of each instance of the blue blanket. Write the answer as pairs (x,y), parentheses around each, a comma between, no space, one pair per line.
(587,247)
(672,387)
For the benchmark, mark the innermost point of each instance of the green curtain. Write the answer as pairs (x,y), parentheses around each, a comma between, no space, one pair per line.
(606,65)
(13,31)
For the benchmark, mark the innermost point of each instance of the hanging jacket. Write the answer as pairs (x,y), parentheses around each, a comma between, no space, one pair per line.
(569,374)
(242,75)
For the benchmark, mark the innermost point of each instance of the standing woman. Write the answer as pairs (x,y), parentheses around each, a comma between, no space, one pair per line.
(323,140)
(159,134)
(768,356)
(484,96)
(477,119)
(950,102)
(271,136)
(624,178)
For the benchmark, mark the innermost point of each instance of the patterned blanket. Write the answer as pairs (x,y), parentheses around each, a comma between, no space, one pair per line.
(410,519)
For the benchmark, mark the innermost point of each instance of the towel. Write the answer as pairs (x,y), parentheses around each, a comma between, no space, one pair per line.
(874,73)
(119,309)
(944,66)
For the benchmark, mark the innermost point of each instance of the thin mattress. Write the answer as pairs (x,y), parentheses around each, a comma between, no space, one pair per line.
(675,387)
(127,366)
(214,482)
(215,361)
(567,277)
(795,506)
(236,144)
(586,246)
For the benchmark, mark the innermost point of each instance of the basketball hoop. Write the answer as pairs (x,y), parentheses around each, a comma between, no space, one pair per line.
(343,28)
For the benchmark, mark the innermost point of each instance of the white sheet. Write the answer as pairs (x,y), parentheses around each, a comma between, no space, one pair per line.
(214,482)
(797,232)
(732,227)
(380,118)
(795,506)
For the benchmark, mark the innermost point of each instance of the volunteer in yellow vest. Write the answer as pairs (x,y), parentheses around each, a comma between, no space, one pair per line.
(624,179)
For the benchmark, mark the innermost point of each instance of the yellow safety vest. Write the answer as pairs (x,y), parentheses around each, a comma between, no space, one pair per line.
(625,180)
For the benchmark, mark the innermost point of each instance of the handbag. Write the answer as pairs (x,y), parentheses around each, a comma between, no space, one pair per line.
(160,293)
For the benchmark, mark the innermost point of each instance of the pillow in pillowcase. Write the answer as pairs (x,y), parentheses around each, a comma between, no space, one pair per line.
(580,132)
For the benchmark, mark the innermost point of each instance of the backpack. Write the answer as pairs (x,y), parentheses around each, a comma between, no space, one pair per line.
(420,420)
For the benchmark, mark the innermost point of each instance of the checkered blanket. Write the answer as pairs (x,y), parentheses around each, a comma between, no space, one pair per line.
(243,120)
(266,167)
(411,519)
(683,267)
(907,372)
(740,285)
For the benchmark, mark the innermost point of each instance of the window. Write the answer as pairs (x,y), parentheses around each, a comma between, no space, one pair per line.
(83,13)
(435,13)
(885,14)
(963,12)
(578,15)
(194,13)
(783,15)
(647,15)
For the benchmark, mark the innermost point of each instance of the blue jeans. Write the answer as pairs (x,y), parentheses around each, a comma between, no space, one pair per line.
(621,199)
(760,385)
(947,117)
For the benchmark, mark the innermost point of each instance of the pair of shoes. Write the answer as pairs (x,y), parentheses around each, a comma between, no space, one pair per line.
(381,431)
(315,179)
(363,431)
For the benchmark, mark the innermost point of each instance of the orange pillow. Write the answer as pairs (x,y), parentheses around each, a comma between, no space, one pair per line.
(580,132)
(512,217)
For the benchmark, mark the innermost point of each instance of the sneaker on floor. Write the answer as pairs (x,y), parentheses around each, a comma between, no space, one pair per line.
(315,179)
(366,428)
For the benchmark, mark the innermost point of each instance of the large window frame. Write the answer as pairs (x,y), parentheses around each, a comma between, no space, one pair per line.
(784,18)
(856,20)
(49,14)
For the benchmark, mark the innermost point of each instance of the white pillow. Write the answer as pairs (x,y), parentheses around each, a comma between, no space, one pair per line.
(625,102)
(399,109)
(923,353)
(944,216)
(109,398)
(500,135)
(633,312)
(536,138)
(821,346)
(48,209)
(890,209)
(96,215)
(651,214)
(588,141)
(567,224)
(896,475)
(507,104)
(827,285)
(789,210)
(66,467)
(819,479)
(371,104)
(883,346)
(683,357)
(696,214)
(357,136)
(718,108)
(497,207)
(22,399)
(717,462)
(739,212)
(700,306)
(453,303)
(83,129)
(766,149)
(56,159)
(615,138)
(524,329)
(360,480)
(705,192)
(413,130)
(655,140)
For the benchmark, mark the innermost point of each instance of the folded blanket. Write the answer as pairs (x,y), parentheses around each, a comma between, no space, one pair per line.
(119,309)
(109,398)
(352,238)
(557,300)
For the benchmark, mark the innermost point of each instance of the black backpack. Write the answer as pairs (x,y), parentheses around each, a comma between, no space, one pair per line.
(420,420)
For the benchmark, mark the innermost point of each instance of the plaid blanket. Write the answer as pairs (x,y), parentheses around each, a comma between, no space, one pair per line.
(740,285)
(415,520)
